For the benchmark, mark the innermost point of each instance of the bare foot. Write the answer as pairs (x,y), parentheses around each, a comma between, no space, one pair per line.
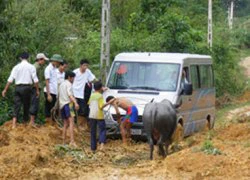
(124,144)
(14,126)
(33,125)
(101,146)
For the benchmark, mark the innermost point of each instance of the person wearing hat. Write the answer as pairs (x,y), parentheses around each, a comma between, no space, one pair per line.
(39,65)
(24,74)
(50,90)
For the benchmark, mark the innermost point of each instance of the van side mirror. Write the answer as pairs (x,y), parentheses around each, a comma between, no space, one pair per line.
(188,89)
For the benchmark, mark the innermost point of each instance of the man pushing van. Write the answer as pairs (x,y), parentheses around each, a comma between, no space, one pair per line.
(130,117)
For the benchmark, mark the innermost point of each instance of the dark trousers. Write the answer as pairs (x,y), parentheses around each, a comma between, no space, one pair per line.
(102,132)
(83,107)
(34,107)
(22,97)
(49,105)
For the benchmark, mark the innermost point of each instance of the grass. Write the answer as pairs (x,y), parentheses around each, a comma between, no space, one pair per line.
(209,148)
(244,53)
(247,145)
(77,154)
(222,112)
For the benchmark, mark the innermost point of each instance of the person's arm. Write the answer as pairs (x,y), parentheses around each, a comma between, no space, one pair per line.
(35,80)
(10,80)
(114,103)
(49,97)
(47,78)
(91,77)
(104,88)
(73,99)
(108,103)
(117,109)
(6,89)
(117,113)
(37,89)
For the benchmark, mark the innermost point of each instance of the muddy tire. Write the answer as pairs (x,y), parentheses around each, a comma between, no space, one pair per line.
(207,126)
(179,134)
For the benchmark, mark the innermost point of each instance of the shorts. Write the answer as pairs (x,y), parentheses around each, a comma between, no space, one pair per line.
(132,115)
(67,111)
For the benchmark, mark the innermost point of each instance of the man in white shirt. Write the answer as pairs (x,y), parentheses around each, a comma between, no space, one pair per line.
(61,72)
(24,74)
(51,88)
(83,76)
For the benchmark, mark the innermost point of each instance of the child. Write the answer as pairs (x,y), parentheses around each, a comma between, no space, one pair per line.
(66,102)
(96,116)
(130,117)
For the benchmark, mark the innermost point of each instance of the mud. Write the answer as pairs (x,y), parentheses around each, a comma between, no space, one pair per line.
(37,153)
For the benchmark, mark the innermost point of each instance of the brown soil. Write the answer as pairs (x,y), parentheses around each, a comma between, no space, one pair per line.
(36,153)
(245,63)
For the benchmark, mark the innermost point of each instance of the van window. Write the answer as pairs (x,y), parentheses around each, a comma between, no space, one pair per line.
(194,76)
(202,76)
(206,76)
(144,75)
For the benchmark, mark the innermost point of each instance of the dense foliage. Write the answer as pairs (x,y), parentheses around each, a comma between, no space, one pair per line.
(72,28)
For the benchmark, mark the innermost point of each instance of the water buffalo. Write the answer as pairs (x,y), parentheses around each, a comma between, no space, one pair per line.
(160,121)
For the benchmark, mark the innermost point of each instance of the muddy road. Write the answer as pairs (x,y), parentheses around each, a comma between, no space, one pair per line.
(37,153)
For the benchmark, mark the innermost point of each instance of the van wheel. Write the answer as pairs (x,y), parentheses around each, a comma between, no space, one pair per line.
(179,133)
(207,126)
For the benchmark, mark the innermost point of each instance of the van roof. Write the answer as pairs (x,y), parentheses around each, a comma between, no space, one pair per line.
(156,56)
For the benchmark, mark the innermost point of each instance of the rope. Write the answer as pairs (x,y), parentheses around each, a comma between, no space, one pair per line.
(56,115)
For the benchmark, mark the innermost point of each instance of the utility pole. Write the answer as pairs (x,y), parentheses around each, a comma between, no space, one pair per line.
(105,40)
(209,27)
(230,15)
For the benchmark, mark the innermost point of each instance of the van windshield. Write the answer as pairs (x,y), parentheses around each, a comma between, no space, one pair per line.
(142,75)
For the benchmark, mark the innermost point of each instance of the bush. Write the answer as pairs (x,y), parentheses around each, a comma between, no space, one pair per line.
(208,148)
(229,78)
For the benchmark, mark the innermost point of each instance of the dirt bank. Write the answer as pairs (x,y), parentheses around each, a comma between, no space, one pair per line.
(36,153)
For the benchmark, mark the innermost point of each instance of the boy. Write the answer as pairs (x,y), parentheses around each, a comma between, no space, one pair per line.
(83,76)
(66,102)
(96,116)
(130,117)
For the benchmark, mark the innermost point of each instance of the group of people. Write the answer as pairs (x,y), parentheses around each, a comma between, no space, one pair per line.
(73,92)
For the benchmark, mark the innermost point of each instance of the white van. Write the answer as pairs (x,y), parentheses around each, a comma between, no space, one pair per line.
(187,80)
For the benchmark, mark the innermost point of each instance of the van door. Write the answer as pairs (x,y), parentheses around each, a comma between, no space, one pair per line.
(202,101)
(206,97)
(187,103)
